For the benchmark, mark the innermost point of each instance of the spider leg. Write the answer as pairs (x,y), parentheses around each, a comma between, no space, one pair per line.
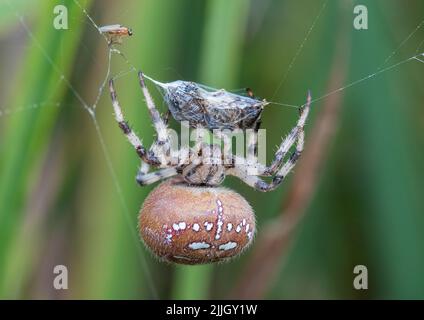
(131,136)
(144,168)
(165,117)
(258,183)
(226,140)
(250,180)
(297,135)
(198,142)
(251,160)
(298,132)
(281,152)
(158,122)
(184,155)
(144,179)
(252,141)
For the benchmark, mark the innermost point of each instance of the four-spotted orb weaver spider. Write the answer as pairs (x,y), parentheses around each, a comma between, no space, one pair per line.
(189,219)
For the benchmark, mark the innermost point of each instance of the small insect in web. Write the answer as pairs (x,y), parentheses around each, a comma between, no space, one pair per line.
(115,33)
(189,218)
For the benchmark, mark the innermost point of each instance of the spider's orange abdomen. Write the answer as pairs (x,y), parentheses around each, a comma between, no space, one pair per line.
(194,225)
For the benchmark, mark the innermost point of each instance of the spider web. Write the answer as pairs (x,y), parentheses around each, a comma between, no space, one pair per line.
(418,56)
(91,108)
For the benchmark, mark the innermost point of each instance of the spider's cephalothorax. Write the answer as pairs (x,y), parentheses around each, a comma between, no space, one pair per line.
(206,167)
(209,108)
(171,226)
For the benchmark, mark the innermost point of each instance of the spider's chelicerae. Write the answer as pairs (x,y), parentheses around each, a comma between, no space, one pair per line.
(190,219)
(200,165)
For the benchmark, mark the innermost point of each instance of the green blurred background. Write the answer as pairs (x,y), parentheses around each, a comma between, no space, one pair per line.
(67,190)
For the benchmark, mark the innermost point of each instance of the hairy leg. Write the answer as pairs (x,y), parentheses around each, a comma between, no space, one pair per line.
(145,155)
(158,122)
(296,135)
(152,177)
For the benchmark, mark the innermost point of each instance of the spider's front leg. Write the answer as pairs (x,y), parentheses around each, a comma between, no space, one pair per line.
(252,148)
(162,145)
(258,183)
(144,179)
(296,135)
(158,122)
(226,140)
(131,136)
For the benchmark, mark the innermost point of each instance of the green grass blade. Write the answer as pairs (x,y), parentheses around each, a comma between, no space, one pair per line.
(28,133)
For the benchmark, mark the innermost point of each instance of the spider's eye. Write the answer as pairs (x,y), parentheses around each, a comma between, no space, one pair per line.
(130,32)
(190,225)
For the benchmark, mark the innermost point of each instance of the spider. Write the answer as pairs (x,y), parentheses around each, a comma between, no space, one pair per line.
(189,218)
(203,164)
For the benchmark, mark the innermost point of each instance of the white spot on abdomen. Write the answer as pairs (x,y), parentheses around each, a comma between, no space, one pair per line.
(220,221)
(219,228)
(238,229)
(199,245)
(229,226)
(196,227)
(182,225)
(208,226)
(228,246)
